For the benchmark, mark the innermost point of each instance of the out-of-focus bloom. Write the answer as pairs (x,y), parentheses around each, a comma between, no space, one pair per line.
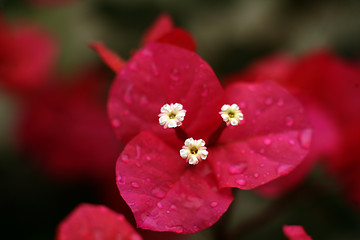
(94,222)
(27,56)
(327,86)
(295,232)
(162,30)
(164,193)
(65,128)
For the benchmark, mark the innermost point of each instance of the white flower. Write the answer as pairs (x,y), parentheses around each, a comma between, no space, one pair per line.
(231,114)
(172,115)
(194,151)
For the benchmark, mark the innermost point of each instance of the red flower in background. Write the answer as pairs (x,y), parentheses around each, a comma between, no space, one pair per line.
(295,232)
(93,222)
(329,89)
(162,191)
(162,30)
(65,128)
(27,56)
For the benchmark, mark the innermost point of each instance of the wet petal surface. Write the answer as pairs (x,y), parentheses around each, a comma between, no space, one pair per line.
(166,194)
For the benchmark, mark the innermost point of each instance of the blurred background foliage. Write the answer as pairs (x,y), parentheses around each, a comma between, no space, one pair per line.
(230,34)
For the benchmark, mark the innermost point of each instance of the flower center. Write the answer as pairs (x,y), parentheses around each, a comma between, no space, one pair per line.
(231,114)
(171,115)
(194,151)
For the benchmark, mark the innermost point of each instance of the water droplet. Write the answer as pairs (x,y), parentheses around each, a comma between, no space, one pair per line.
(196,228)
(251,88)
(116,122)
(159,205)
(242,104)
(174,75)
(133,66)
(280,102)
(120,180)
(138,151)
(262,151)
(239,168)
(267,141)
(144,100)
(128,95)
(289,121)
(147,158)
(262,165)
(147,53)
(155,70)
(125,158)
(135,185)
(241,182)
(268,101)
(158,192)
(204,91)
(284,169)
(291,142)
(148,180)
(172,207)
(305,138)
(177,229)
(138,164)
(167,211)
(213,204)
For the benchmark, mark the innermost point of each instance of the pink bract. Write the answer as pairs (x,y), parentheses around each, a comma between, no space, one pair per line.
(295,232)
(93,222)
(163,192)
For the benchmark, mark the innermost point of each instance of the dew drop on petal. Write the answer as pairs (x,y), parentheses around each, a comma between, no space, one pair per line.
(291,142)
(177,229)
(289,121)
(144,100)
(147,158)
(268,101)
(159,205)
(120,180)
(133,66)
(148,180)
(167,211)
(241,182)
(242,104)
(305,138)
(173,207)
(285,168)
(125,158)
(196,228)
(155,71)
(256,175)
(115,122)
(138,164)
(267,141)
(262,165)
(204,91)
(134,237)
(127,95)
(239,168)
(213,204)
(157,192)
(280,102)
(135,185)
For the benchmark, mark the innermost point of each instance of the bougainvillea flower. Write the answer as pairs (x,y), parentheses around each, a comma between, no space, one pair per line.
(163,191)
(162,30)
(27,56)
(295,232)
(94,222)
(66,130)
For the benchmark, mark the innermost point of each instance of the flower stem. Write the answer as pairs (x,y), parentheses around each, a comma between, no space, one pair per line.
(216,135)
